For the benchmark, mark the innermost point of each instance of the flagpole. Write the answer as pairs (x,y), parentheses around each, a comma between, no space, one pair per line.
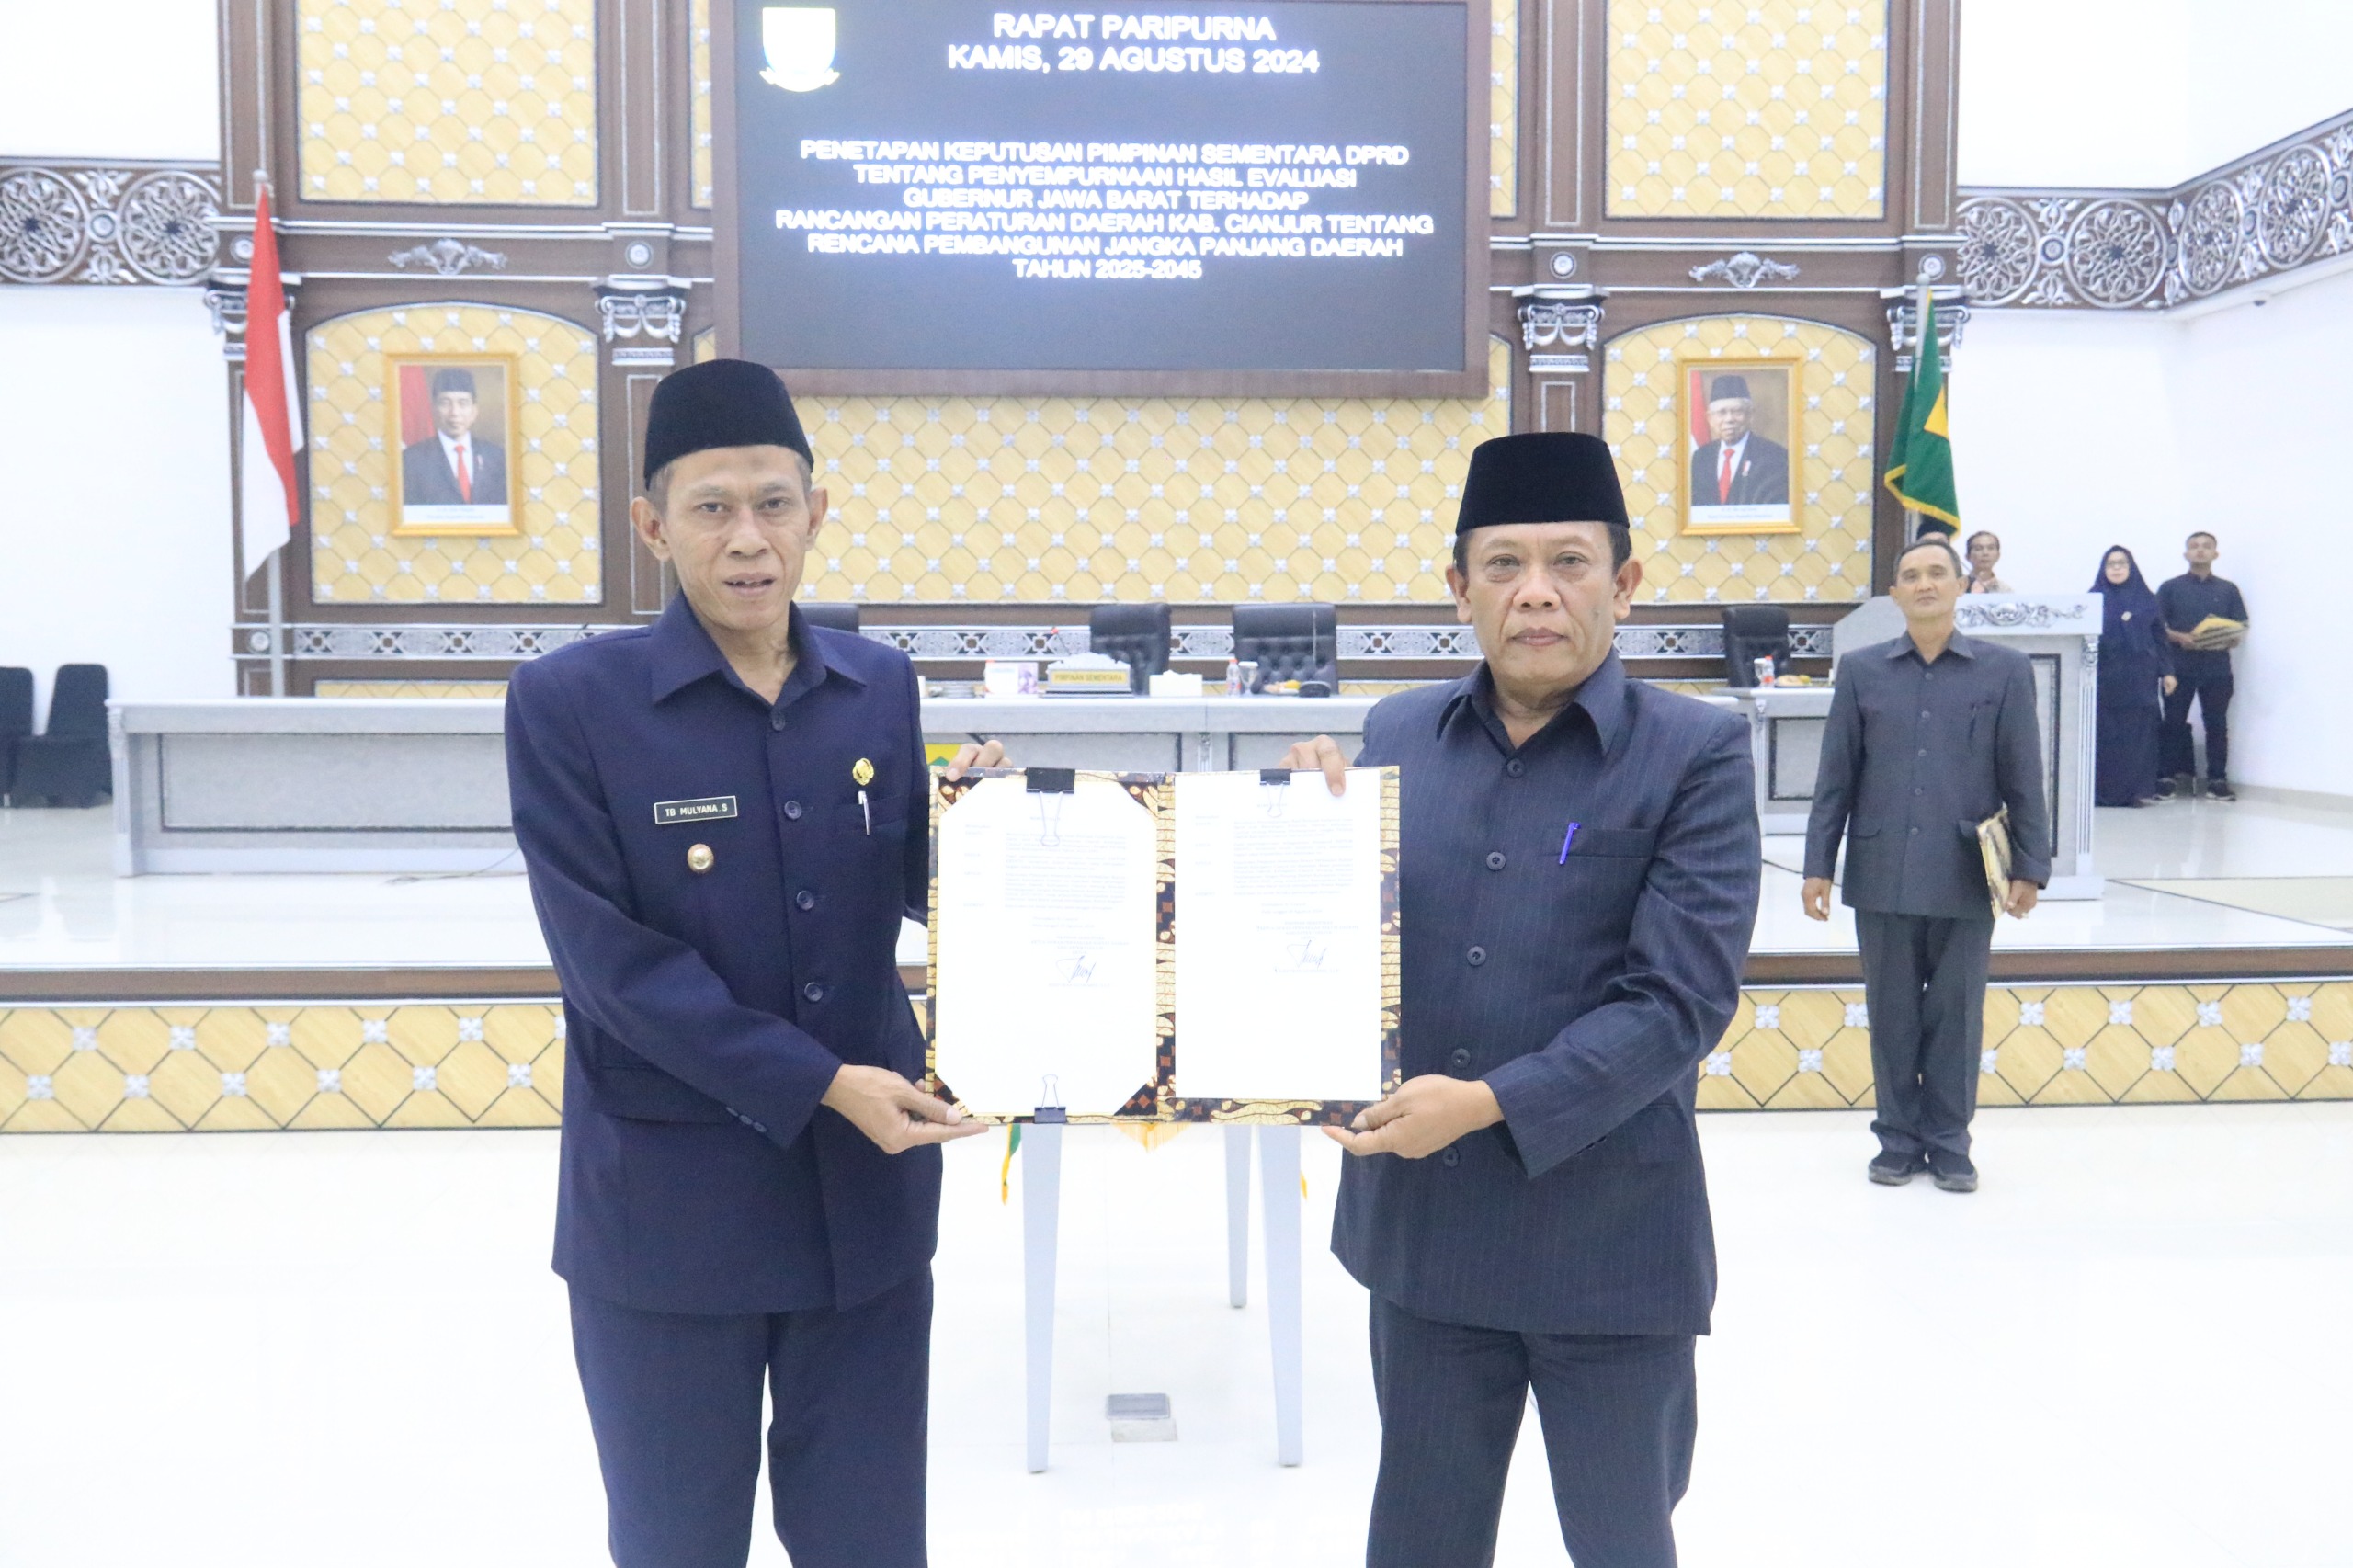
(1919,339)
(276,568)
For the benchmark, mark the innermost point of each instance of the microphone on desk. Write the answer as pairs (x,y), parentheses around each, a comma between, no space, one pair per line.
(1315,662)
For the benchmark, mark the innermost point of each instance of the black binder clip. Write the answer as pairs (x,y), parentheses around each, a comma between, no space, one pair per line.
(1277,780)
(1050,781)
(1053,1115)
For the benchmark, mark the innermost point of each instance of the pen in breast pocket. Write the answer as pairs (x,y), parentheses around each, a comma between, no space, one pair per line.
(1566,839)
(865,812)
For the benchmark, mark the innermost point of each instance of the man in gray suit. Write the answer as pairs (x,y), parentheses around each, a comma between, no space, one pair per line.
(1928,735)
(1578,877)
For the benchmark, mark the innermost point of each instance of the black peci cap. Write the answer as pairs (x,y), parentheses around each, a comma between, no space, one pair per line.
(719,403)
(1551,476)
(1728,387)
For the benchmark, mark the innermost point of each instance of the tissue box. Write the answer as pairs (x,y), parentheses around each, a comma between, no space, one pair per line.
(1176,683)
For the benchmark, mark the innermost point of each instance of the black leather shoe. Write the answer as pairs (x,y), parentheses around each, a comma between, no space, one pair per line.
(1891,1169)
(2217,790)
(2166,790)
(1951,1172)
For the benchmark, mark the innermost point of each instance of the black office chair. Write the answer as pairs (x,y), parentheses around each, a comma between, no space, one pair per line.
(1299,643)
(16,720)
(1136,634)
(835,617)
(1754,632)
(67,763)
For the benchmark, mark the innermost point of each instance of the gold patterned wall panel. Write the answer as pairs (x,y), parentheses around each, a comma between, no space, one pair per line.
(1503,111)
(449,101)
(699,97)
(1809,1048)
(1747,108)
(252,1067)
(354,555)
(1829,559)
(437,689)
(298,1066)
(1190,499)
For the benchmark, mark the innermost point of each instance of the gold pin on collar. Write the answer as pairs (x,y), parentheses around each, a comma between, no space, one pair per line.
(861,773)
(700,859)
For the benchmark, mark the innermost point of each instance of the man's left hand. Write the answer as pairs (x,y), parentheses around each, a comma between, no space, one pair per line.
(2169,683)
(1424,1116)
(989,753)
(2023,895)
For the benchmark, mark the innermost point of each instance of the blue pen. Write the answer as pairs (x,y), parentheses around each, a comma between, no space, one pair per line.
(1566,839)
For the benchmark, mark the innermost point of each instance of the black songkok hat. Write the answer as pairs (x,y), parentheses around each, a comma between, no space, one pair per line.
(719,403)
(1728,386)
(1551,476)
(453,380)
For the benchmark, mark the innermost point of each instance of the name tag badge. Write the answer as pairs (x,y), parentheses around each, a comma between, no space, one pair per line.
(711,807)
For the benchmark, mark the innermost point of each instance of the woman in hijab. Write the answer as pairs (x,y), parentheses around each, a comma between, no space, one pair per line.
(2135,675)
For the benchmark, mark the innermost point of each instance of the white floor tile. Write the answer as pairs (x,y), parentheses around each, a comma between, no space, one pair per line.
(302,1349)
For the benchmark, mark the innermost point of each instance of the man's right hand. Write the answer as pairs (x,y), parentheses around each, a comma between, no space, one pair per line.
(892,1112)
(1324,752)
(1815,896)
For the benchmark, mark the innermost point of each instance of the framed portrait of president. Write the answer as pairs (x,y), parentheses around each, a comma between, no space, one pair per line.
(1737,431)
(454,470)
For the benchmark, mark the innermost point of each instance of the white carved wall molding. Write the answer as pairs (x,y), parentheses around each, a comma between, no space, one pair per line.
(71,220)
(2286,207)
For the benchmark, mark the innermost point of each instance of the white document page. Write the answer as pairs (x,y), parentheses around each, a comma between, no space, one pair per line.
(1277,938)
(1047,989)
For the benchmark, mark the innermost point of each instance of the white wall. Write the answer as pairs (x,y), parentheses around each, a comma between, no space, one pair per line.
(2073,92)
(115,532)
(2259,392)
(2073,431)
(2065,441)
(109,78)
(2142,93)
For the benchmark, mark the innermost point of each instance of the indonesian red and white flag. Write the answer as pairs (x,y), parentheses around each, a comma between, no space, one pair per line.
(267,505)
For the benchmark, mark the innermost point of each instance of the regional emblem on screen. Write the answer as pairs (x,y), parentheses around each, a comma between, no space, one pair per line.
(799,41)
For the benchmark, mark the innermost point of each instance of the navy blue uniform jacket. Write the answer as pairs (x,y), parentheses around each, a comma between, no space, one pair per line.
(1584,986)
(706,1014)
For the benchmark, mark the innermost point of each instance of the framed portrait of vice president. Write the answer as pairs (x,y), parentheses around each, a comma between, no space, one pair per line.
(454,419)
(1737,425)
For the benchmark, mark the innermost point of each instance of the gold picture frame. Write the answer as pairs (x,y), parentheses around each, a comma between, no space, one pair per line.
(428,497)
(1759,489)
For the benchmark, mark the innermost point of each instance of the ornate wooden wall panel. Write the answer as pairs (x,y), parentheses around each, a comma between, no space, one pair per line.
(1829,560)
(356,557)
(1188,499)
(490,102)
(550,161)
(1772,108)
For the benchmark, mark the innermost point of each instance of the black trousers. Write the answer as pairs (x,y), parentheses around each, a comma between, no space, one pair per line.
(674,1403)
(1620,1413)
(2212,694)
(1923,982)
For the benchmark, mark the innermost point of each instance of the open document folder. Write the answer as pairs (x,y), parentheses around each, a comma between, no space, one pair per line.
(1164,944)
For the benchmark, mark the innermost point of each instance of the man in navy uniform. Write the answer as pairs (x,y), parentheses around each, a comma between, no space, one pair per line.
(724,815)
(1579,873)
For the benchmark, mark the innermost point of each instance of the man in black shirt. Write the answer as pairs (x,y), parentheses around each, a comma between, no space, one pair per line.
(2203,673)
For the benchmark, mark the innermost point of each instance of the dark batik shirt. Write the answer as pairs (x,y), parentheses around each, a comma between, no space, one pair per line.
(2188,599)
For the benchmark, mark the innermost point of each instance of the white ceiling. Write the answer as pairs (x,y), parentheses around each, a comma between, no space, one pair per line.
(2142,93)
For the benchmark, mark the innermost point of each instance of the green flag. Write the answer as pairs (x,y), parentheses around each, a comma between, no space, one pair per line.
(1919,466)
